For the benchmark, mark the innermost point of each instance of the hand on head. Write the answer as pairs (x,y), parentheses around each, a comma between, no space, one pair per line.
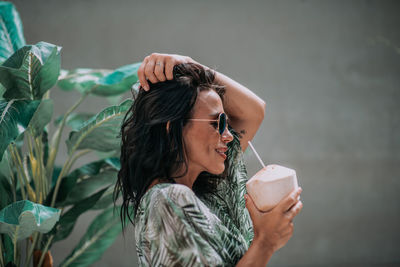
(274,228)
(159,68)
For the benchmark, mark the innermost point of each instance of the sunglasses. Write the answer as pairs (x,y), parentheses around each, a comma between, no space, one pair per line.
(222,118)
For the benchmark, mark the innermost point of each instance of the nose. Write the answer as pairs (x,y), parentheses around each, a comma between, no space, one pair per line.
(227,135)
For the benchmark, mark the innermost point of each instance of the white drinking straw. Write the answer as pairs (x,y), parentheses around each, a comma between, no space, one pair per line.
(255,152)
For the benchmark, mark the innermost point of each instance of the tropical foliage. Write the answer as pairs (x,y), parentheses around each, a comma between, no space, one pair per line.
(39,201)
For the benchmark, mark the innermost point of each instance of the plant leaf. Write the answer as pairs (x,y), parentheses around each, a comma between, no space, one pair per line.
(15,116)
(11,31)
(67,221)
(115,162)
(81,79)
(100,235)
(5,192)
(100,82)
(22,218)
(119,81)
(90,185)
(5,182)
(101,131)
(105,200)
(9,249)
(74,120)
(68,182)
(42,116)
(30,71)
(2,90)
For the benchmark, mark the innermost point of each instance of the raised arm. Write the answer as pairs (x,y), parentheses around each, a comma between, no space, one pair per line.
(244,108)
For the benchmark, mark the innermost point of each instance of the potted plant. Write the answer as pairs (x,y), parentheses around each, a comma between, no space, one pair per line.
(39,201)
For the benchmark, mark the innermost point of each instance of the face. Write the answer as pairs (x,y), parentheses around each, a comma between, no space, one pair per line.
(202,139)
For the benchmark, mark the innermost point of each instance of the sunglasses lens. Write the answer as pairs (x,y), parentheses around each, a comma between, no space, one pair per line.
(222,123)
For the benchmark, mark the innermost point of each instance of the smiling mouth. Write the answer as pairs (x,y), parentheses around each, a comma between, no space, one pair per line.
(222,154)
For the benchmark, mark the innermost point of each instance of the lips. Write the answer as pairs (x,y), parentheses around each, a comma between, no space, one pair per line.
(221,151)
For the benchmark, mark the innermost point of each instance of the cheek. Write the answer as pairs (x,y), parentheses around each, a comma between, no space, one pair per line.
(201,144)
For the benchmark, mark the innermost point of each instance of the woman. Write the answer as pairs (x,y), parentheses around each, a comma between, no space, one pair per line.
(183,171)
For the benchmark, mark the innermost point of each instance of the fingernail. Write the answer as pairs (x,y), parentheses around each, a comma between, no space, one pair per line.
(245,197)
(146,87)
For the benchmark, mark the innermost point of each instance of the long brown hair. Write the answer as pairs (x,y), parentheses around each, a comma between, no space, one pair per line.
(149,151)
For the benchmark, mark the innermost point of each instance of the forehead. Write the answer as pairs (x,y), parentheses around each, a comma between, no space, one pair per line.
(208,103)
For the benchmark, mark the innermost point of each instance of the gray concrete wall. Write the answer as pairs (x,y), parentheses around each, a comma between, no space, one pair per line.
(329,72)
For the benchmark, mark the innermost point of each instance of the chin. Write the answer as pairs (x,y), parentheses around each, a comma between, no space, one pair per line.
(217,171)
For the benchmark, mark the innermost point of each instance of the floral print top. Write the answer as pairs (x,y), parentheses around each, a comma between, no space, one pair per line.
(176,227)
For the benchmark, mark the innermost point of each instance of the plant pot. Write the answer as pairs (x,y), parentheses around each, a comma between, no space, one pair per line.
(48,259)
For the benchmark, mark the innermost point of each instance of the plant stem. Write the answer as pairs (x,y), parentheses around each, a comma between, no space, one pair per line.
(31,194)
(74,158)
(22,166)
(71,159)
(29,255)
(41,174)
(32,158)
(2,263)
(15,243)
(14,184)
(45,251)
(57,136)
(40,237)
(18,166)
(42,167)
(26,247)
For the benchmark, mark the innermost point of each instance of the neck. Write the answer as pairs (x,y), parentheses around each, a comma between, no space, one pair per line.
(189,178)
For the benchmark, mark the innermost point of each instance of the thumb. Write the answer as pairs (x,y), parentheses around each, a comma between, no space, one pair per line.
(250,206)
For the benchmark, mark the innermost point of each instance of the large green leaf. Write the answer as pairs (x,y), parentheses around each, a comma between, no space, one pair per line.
(90,185)
(105,200)
(11,31)
(8,249)
(100,235)
(22,218)
(74,120)
(2,90)
(101,131)
(68,182)
(15,116)
(100,82)
(5,182)
(42,116)
(67,221)
(81,79)
(5,193)
(30,71)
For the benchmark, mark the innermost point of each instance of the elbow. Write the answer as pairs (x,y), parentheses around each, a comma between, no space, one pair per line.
(261,113)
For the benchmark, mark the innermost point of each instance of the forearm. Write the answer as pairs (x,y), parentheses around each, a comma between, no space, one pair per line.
(256,255)
(239,102)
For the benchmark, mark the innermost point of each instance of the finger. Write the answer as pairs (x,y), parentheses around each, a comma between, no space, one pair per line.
(294,211)
(251,207)
(142,77)
(149,71)
(169,69)
(290,200)
(159,70)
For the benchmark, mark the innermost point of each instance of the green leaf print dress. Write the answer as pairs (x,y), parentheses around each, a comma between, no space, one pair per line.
(176,227)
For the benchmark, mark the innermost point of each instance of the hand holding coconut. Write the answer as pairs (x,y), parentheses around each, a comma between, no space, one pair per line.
(273,200)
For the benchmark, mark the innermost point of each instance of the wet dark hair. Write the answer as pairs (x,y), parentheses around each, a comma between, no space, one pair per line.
(148,150)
